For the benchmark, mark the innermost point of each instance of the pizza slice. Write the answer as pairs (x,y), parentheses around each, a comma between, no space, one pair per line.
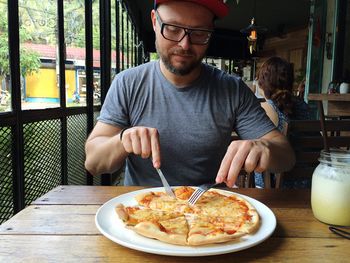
(205,229)
(169,227)
(132,215)
(214,203)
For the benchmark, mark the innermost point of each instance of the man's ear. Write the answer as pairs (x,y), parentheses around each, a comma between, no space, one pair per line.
(154,19)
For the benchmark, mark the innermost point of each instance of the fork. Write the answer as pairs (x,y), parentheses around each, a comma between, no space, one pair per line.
(201,190)
(340,232)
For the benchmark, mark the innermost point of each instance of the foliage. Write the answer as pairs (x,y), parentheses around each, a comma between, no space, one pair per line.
(38,24)
(30,61)
(39,18)
(154,56)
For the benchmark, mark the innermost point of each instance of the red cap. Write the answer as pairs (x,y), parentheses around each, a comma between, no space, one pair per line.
(218,7)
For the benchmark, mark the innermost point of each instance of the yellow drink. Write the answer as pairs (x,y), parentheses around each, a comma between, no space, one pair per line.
(330,194)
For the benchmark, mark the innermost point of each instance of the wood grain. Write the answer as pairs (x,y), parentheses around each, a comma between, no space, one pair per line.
(60,227)
(98,195)
(338,108)
(53,220)
(80,220)
(35,248)
(81,194)
(329,97)
(338,104)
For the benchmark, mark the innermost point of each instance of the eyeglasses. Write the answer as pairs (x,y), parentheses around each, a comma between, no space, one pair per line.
(177,33)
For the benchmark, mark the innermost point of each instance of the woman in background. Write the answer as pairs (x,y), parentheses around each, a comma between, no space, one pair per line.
(275,77)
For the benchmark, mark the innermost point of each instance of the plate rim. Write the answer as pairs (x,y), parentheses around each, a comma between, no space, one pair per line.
(168,249)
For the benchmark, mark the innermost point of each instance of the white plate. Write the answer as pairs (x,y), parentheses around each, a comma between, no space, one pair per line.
(113,228)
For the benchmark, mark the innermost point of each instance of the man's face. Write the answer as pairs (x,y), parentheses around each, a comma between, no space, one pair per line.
(181,58)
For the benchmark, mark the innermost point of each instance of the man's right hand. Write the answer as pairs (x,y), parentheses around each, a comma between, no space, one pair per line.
(143,141)
(106,153)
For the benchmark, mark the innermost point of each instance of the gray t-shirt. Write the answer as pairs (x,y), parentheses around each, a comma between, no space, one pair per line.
(194,123)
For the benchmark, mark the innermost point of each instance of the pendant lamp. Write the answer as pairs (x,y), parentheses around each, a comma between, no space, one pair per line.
(253,31)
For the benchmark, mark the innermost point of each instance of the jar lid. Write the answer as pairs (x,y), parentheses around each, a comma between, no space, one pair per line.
(335,156)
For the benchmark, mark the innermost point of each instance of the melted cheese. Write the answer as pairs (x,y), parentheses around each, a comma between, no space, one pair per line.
(137,215)
(214,218)
(176,225)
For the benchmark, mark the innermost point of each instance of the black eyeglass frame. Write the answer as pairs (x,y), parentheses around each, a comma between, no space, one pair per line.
(186,30)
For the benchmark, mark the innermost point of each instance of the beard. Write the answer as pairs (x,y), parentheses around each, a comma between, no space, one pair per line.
(185,68)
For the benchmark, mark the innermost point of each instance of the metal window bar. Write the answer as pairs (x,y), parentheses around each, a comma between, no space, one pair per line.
(131,45)
(122,34)
(117,44)
(89,71)
(62,87)
(17,129)
(105,65)
(62,117)
(127,43)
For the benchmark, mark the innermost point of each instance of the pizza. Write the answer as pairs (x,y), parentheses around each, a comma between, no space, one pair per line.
(218,216)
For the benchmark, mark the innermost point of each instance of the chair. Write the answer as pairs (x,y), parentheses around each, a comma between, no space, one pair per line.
(307,141)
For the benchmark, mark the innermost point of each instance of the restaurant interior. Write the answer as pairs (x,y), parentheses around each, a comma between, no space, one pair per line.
(313,35)
(57,61)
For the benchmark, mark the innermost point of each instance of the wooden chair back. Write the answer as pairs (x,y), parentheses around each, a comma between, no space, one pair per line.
(306,139)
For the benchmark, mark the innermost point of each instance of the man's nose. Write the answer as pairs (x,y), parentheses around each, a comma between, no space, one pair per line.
(185,43)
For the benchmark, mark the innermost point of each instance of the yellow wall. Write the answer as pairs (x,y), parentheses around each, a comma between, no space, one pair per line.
(70,83)
(43,84)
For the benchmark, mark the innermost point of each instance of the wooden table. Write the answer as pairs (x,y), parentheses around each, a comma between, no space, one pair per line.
(60,227)
(338,104)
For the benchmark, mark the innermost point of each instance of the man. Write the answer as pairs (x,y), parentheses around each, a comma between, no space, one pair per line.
(179,113)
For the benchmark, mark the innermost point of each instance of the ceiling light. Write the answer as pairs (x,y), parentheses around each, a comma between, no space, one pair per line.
(253,31)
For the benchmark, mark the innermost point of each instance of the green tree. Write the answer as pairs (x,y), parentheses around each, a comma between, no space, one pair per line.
(38,24)
(30,61)
(39,18)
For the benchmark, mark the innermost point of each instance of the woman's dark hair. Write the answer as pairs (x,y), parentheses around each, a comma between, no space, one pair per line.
(275,78)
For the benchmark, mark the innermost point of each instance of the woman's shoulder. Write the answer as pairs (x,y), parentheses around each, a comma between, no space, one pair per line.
(270,111)
(279,118)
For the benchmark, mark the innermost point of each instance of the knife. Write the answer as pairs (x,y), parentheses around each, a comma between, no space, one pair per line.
(167,187)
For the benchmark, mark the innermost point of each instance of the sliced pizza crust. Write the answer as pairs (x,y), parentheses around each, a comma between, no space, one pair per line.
(208,230)
(173,231)
(170,227)
(132,215)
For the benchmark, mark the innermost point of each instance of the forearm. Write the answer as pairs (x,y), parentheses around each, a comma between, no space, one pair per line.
(104,154)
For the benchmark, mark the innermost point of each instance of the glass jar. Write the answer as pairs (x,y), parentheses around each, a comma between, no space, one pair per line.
(330,189)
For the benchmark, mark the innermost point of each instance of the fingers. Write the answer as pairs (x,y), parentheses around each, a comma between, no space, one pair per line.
(155,147)
(135,142)
(226,165)
(263,163)
(234,161)
(252,160)
(127,142)
(143,141)
(250,155)
(145,145)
